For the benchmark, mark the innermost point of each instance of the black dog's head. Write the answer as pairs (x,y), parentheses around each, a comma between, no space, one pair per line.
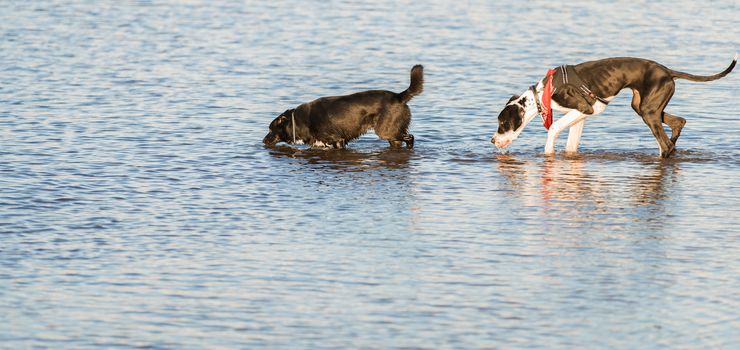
(510,121)
(279,129)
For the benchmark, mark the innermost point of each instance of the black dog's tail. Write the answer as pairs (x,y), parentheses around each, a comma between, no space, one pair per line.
(417,84)
(682,75)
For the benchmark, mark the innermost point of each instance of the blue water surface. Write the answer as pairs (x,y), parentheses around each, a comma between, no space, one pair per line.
(139,208)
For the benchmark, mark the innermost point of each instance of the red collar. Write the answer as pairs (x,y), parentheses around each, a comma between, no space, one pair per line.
(546,110)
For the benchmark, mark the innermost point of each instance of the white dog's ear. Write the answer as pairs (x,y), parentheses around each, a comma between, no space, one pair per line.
(513,97)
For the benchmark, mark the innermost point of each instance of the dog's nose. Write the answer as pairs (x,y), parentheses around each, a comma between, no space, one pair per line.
(501,144)
(269,140)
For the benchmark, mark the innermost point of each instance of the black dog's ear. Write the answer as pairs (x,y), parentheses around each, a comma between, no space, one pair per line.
(513,97)
(283,117)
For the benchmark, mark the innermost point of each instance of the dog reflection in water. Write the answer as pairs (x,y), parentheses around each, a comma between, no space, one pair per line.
(565,187)
(347,159)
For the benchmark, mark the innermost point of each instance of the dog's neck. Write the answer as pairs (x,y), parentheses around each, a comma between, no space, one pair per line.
(527,101)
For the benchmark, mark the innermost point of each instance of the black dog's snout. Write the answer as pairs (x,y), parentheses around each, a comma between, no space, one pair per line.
(269,140)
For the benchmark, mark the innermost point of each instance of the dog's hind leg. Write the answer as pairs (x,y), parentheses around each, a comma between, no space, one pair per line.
(574,136)
(393,126)
(651,108)
(653,122)
(676,123)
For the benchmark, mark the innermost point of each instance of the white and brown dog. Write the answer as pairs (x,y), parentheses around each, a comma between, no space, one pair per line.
(585,89)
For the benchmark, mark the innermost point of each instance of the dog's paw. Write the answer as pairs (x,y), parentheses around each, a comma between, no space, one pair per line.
(667,153)
(549,150)
(409,139)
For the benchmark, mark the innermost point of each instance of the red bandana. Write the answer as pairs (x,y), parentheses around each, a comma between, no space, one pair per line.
(546,98)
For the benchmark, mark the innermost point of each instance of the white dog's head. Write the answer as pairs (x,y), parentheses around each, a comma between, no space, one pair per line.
(518,112)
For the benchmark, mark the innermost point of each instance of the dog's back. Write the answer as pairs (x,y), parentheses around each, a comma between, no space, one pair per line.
(373,99)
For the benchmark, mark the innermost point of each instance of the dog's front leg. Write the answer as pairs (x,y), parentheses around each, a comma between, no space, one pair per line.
(567,120)
(574,136)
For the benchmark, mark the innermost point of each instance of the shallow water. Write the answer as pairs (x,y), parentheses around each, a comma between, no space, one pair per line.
(138,207)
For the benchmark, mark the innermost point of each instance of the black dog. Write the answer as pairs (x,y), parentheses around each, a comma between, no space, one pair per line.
(334,121)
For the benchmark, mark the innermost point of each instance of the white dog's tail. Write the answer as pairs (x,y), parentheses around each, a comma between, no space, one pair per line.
(416,86)
(682,75)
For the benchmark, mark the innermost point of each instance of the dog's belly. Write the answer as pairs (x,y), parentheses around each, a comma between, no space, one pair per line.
(598,106)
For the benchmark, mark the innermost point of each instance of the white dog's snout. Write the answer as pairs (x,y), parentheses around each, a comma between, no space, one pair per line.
(502,140)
